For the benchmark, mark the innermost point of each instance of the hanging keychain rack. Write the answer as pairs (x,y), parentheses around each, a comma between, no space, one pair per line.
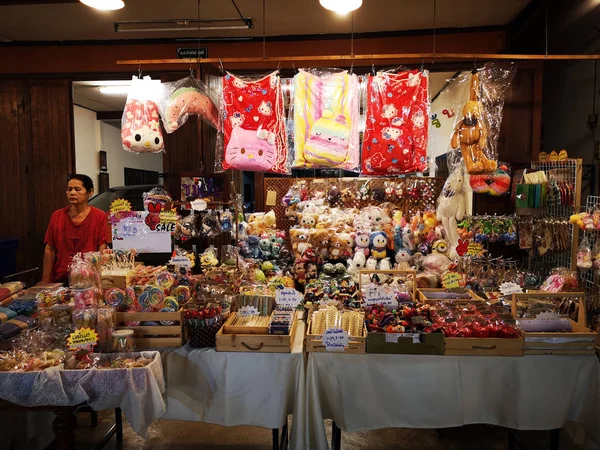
(394,56)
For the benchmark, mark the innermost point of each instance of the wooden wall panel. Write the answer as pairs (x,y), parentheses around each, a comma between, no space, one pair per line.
(51,153)
(13,197)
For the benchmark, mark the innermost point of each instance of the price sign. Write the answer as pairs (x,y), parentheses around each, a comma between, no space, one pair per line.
(199,205)
(335,339)
(82,338)
(246,311)
(120,205)
(288,297)
(181,261)
(379,295)
(451,280)
(393,337)
(510,288)
(474,249)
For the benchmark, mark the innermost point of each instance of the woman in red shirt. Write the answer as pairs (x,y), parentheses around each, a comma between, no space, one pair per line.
(78,228)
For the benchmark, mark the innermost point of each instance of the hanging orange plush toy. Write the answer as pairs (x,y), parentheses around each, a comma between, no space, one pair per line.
(471,134)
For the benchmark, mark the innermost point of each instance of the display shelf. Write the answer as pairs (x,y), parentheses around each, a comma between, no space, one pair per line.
(567,171)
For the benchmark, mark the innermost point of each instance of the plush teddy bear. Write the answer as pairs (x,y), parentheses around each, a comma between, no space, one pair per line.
(299,271)
(379,243)
(291,214)
(348,242)
(319,239)
(338,247)
(308,220)
(300,240)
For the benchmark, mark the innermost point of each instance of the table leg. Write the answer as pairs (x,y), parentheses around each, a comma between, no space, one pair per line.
(64,429)
(275,438)
(555,439)
(119,424)
(336,437)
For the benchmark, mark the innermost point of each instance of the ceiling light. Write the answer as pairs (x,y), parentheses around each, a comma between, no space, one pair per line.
(114,90)
(341,6)
(105,5)
(188,25)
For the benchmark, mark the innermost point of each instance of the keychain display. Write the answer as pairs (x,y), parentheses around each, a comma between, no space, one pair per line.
(489,229)
(211,224)
(560,193)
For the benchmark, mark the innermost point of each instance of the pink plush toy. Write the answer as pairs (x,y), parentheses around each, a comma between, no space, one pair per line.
(362,242)
(251,150)
(140,130)
(187,101)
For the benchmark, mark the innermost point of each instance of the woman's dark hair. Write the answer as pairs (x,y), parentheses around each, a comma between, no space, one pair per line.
(88,184)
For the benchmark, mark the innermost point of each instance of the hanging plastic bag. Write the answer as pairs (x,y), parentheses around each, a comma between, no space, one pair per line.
(584,255)
(496,183)
(478,117)
(397,126)
(254,135)
(325,120)
(140,127)
(183,98)
(596,256)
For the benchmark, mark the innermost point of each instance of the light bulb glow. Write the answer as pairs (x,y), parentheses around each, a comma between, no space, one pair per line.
(341,6)
(114,90)
(104,5)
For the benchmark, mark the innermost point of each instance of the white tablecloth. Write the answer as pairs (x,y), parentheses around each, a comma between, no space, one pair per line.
(366,392)
(138,391)
(237,388)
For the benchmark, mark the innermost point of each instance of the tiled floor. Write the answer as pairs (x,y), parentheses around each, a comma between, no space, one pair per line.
(168,435)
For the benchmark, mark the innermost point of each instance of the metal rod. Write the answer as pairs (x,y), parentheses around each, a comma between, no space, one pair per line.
(393,56)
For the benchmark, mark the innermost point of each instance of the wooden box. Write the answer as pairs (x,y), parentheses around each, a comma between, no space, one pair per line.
(388,343)
(581,318)
(262,343)
(410,273)
(428,295)
(153,336)
(581,341)
(111,281)
(483,347)
(356,344)
(228,328)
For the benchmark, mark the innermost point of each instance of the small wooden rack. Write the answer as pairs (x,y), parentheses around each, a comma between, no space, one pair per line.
(153,336)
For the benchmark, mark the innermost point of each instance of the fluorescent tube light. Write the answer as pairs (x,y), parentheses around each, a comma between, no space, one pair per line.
(104,5)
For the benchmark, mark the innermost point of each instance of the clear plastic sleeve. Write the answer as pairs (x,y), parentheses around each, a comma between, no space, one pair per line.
(253,123)
(326,120)
(140,125)
(496,183)
(584,255)
(397,125)
(478,116)
(183,98)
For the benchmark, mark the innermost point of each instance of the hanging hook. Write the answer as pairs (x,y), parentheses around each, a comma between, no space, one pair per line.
(474,64)
(352,68)
(373,68)
(140,71)
(221,67)
(279,65)
(422,65)
(294,67)
(191,71)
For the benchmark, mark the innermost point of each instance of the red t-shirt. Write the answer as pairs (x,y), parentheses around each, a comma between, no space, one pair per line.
(69,239)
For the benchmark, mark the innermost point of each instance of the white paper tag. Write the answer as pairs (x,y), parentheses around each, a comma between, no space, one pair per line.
(510,288)
(199,205)
(246,311)
(181,261)
(335,340)
(378,295)
(393,337)
(288,297)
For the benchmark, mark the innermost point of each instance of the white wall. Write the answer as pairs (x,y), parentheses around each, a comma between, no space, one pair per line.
(87,136)
(118,159)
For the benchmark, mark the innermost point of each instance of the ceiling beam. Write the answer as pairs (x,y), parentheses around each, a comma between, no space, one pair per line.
(33,2)
(109,115)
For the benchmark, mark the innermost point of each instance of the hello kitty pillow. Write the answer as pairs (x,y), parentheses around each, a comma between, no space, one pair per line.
(253,122)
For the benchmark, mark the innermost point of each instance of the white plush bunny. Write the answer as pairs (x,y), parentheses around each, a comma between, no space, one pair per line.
(452,205)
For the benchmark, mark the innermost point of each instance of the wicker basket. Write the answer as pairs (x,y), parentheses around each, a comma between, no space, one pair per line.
(201,336)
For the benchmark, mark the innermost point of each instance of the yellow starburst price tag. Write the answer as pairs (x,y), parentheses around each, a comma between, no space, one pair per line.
(120,205)
(82,339)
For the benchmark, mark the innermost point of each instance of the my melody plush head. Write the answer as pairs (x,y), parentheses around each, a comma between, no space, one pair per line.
(140,130)
(328,141)
(251,150)
(362,242)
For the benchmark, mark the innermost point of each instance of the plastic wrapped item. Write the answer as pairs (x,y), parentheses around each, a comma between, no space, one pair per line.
(596,256)
(584,255)
(157,196)
(478,117)
(227,221)
(140,127)
(186,228)
(211,224)
(253,123)
(115,297)
(82,274)
(85,317)
(452,205)
(397,125)
(325,118)
(84,298)
(496,183)
(122,341)
(61,315)
(561,280)
(183,98)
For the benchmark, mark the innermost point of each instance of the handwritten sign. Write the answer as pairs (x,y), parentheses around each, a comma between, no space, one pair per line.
(393,337)
(288,297)
(475,249)
(246,311)
(335,339)
(199,205)
(451,280)
(379,295)
(82,338)
(120,205)
(510,288)
(181,261)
